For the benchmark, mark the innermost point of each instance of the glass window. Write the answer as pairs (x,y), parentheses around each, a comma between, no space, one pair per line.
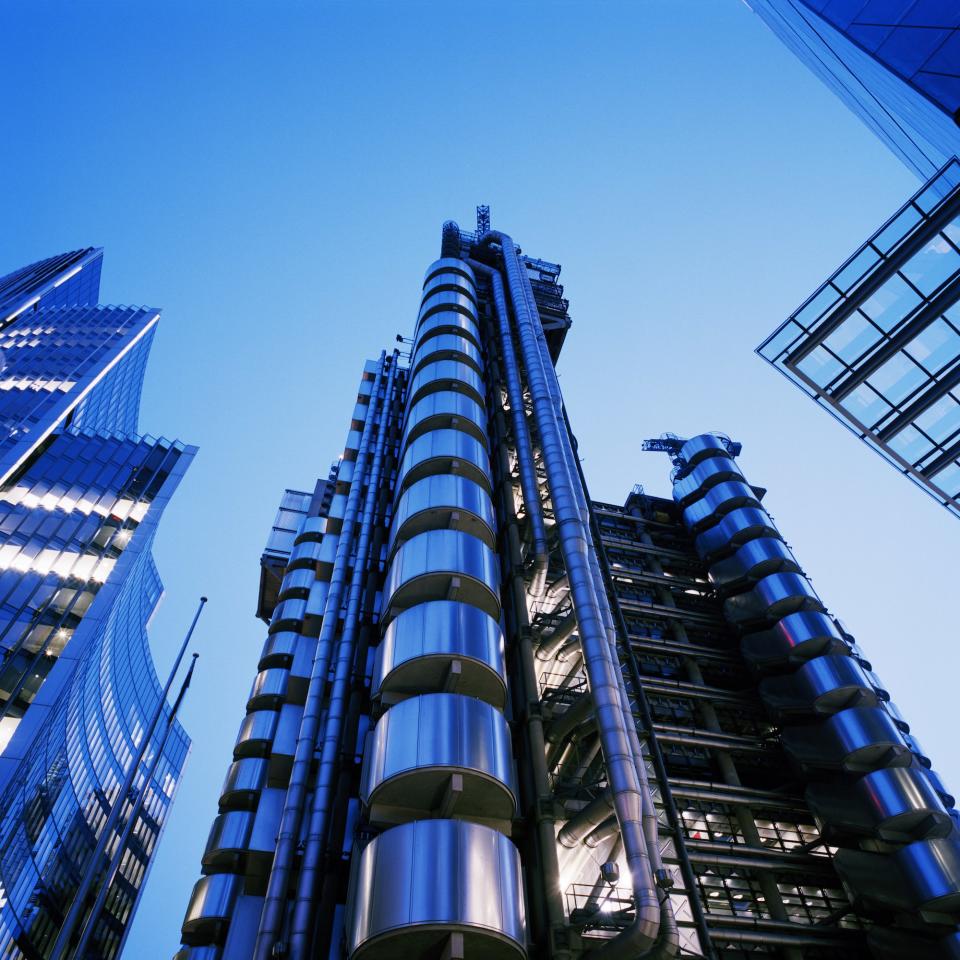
(911,444)
(891,303)
(853,337)
(820,366)
(941,420)
(866,405)
(936,346)
(780,340)
(952,232)
(898,378)
(932,266)
(809,314)
(948,479)
(902,224)
(856,268)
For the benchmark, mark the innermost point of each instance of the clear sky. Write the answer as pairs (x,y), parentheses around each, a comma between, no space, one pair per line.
(274,176)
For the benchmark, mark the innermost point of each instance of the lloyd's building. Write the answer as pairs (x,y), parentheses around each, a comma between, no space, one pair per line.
(494,719)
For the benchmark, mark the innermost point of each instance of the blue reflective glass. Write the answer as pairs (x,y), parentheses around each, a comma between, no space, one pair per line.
(853,337)
(895,63)
(886,357)
(78,513)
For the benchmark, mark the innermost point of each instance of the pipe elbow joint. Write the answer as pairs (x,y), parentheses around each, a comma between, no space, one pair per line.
(638,939)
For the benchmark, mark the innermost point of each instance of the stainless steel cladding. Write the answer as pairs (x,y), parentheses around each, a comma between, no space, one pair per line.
(794,639)
(242,785)
(701,447)
(446,410)
(208,952)
(256,734)
(442,564)
(732,531)
(442,645)
(447,375)
(288,615)
(296,583)
(717,502)
(440,753)
(279,648)
(871,783)
(895,804)
(210,908)
(445,451)
(417,883)
(443,501)
(773,597)
(448,300)
(269,689)
(228,841)
(452,280)
(856,740)
(751,562)
(921,877)
(702,477)
(305,554)
(447,321)
(823,686)
(442,748)
(446,346)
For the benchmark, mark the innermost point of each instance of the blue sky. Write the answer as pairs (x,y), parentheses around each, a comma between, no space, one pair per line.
(274,176)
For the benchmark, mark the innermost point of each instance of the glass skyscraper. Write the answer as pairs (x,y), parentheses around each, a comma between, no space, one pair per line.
(877,344)
(81,494)
(492,718)
(895,63)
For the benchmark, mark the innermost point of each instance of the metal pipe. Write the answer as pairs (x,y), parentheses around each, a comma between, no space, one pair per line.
(529,485)
(673,817)
(669,733)
(667,942)
(86,933)
(577,713)
(604,676)
(525,693)
(320,807)
(586,758)
(570,648)
(609,828)
(556,588)
(724,856)
(586,819)
(762,934)
(732,799)
(288,835)
(561,634)
(62,944)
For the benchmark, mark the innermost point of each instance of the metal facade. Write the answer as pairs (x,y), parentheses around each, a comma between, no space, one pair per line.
(493,719)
